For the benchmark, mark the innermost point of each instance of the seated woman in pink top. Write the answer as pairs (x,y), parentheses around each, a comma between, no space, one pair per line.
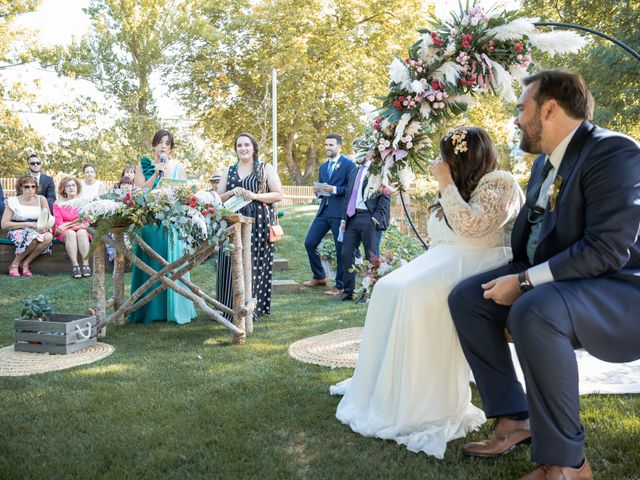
(73,234)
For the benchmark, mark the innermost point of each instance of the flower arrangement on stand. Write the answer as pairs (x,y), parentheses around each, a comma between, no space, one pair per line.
(173,208)
(453,61)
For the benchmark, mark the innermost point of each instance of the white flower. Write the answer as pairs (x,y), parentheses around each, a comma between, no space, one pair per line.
(514,30)
(518,72)
(383,268)
(413,128)
(399,133)
(366,283)
(399,73)
(557,42)
(198,220)
(427,53)
(462,100)
(425,110)
(98,208)
(406,176)
(502,82)
(449,72)
(417,86)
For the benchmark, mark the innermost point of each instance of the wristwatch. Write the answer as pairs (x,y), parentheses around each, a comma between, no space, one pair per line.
(523,284)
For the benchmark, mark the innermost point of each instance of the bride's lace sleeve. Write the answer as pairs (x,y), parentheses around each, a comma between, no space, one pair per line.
(496,200)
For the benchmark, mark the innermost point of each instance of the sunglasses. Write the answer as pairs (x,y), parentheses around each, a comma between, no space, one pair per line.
(35,163)
(29,186)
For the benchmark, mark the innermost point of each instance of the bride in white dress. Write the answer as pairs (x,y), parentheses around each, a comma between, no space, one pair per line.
(411,382)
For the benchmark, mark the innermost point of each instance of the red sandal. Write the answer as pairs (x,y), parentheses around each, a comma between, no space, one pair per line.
(25,270)
(13,270)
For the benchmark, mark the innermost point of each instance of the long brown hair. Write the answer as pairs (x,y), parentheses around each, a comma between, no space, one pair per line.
(468,165)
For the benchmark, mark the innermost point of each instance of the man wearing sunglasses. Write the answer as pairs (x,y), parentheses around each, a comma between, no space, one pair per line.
(46,185)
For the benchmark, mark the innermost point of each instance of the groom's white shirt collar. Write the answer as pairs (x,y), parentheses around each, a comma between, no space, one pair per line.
(558,153)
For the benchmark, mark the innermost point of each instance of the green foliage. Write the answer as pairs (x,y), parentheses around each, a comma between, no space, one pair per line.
(403,247)
(37,308)
(327,248)
(330,58)
(612,74)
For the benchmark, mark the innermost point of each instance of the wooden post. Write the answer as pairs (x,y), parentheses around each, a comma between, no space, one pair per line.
(237,276)
(118,278)
(99,300)
(248,271)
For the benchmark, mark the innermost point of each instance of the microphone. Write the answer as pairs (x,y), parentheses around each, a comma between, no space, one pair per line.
(163,159)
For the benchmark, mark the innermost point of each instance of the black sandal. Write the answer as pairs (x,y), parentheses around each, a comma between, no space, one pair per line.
(86,271)
(76,272)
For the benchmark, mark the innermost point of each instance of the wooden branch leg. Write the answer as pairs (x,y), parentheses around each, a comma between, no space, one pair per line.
(237,275)
(99,300)
(247,266)
(118,279)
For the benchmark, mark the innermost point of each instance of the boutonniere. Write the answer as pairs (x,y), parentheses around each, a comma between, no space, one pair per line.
(554,191)
(337,166)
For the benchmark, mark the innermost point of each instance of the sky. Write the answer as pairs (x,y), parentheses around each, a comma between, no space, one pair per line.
(59,21)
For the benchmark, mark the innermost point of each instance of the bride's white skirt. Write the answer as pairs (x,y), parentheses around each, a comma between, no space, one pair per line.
(411,382)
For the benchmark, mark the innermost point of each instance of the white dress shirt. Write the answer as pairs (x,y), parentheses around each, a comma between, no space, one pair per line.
(541,274)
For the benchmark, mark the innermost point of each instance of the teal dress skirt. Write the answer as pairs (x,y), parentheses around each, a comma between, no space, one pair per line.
(169,305)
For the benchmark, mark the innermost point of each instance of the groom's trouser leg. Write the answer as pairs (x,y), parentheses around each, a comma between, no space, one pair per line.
(547,323)
(539,322)
(480,324)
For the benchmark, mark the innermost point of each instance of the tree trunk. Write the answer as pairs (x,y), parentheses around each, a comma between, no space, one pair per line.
(311,163)
(292,166)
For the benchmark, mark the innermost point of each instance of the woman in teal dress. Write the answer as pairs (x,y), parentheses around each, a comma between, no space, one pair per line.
(169,305)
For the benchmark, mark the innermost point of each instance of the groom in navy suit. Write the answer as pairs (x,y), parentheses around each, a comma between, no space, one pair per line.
(335,173)
(574,281)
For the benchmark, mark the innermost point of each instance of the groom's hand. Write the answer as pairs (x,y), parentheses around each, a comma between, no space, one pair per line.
(502,290)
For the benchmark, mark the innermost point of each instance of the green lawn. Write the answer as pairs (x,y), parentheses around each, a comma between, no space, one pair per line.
(179,402)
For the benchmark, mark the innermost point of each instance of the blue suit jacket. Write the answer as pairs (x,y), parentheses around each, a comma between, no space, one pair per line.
(334,205)
(47,188)
(593,232)
(379,205)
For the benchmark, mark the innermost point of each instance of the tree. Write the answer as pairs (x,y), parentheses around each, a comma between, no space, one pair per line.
(129,43)
(330,58)
(17,138)
(613,76)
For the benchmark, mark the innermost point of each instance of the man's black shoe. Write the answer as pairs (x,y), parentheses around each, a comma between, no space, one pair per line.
(345,297)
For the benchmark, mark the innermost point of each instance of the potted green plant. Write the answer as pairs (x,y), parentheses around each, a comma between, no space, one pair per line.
(37,308)
(42,331)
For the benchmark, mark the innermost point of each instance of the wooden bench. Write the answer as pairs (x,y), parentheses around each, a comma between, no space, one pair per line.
(57,262)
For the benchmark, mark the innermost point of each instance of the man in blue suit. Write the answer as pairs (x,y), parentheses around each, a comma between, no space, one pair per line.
(363,218)
(46,185)
(335,173)
(574,280)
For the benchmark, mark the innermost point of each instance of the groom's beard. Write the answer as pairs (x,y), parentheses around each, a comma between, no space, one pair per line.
(531,136)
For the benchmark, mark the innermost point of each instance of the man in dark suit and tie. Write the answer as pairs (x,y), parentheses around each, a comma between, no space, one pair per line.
(574,280)
(335,174)
(364,216)
(46,185)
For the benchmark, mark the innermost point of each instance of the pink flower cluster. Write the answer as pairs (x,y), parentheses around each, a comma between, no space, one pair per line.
(408,102)
(437,96)
(417,65)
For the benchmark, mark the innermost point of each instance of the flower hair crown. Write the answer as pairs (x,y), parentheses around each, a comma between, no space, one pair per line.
(458,136)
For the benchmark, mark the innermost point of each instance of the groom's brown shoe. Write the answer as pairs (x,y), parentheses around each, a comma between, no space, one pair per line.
(553,472)
(505,436)
(315,282)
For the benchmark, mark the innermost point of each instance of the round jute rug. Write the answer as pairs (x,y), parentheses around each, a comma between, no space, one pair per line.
(338,348)
(17,364)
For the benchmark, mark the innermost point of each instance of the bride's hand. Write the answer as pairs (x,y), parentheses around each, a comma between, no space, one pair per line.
(439,168)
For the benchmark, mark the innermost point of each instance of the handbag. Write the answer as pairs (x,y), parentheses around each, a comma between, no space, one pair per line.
(45,220)
(275,232)
(275,229)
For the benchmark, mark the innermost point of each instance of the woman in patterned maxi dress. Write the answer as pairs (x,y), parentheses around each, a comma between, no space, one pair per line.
(259,182)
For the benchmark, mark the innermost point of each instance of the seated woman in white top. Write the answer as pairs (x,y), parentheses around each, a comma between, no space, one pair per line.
(411,382)
(91,187)
(20,217)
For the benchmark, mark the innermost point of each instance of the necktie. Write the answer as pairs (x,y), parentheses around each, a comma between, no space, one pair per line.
(331,165)
(351,208)
(534,190)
